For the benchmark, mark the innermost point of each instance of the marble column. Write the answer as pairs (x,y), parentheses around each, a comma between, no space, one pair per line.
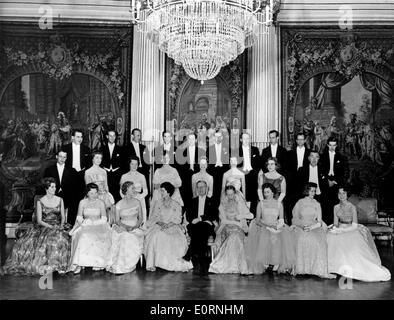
(147,88)
(263,103)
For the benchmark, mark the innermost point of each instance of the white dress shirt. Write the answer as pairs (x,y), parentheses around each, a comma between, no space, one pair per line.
(137,151)
(111,147)
(167,147)
(274,148)
(218,149)
(314,177)
(201,205)
(300,156)
(60,169)
(192,153)
(331,155)
(76,156)
(246,155)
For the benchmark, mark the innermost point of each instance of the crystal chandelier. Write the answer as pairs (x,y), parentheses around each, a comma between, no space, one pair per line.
(202,35)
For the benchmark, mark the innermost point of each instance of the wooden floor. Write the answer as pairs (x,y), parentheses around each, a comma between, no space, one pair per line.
(178,286)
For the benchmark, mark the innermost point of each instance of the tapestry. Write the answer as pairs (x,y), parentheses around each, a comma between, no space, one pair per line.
(340,84)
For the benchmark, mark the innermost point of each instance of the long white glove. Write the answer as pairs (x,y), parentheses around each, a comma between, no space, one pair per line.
(353,227)
(281,223)
(79,219)
(77,225)
(315,226)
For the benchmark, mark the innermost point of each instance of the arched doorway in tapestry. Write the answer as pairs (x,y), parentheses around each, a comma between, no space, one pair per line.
(202,108)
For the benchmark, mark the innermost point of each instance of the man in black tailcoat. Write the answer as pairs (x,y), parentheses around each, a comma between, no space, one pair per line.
(276,151)
(78,160)
(249,163)
(297,158)
(114,162)
(64,177)
(218,164)
(187,158)
(334,166)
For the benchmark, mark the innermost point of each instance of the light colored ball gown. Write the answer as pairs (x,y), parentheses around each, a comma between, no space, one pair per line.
(41,249)
(165,248)
(228,248)
(351,249)
(141,188)
(171,175)
(310,246)
(91,242)
(268,246)
(126,246)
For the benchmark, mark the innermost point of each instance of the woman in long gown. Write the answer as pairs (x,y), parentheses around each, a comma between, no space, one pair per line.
(202,175)
(273,177)
(91,234)
(126,235)
(165,241)
(96,174)
(309,233)
(228,249)
(351,250)
(139,180)
(269,242)
(166,174)
(46,246)
(234,177)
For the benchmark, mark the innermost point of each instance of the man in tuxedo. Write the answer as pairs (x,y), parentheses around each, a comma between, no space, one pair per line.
(64,180)
(187,158)
(78,160)
(312,172)
(114,162)
(201,216)
(296,159)
(274,150)
(137,149)
(218,164)
(334,166)
(249,163)
(168,147)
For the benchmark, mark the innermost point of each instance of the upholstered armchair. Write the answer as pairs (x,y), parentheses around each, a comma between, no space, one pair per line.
(379,223)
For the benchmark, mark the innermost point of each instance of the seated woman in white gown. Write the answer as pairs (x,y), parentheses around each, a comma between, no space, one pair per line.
(351,250)
(127,237)
(96,174)
(91,234)
(166,173)
(309,236)
(228,249)
(165,241)
(269,245)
